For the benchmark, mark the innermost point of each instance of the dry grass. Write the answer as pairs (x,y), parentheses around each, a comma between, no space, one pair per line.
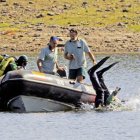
(97,13)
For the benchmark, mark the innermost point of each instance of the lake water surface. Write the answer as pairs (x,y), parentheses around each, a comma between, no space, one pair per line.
(88,124)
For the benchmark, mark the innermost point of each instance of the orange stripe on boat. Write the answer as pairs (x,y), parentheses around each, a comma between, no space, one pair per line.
(38,73)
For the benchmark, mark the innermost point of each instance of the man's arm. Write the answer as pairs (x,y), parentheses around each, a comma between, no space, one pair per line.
(58,67)
(39,64)
(87,50)
(92,57)
(66,54)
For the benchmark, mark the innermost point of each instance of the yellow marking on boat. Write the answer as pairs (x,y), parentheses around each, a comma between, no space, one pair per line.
(38,73)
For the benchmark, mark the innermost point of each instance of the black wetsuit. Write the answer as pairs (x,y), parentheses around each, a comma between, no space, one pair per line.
(102,92)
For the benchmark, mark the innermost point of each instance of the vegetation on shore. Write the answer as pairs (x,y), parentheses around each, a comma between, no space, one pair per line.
(19,17)
(89,13)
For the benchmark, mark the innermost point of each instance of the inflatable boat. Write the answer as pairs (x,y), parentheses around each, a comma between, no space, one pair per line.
(32,91)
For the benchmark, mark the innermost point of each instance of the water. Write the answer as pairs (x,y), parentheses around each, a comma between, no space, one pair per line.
(84,125)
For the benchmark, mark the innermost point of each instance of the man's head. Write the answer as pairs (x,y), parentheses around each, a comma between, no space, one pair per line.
(53,41)
(22,60)
(73,34)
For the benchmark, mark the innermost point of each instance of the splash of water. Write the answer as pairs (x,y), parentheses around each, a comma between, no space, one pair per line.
(87,106)
(134,103)
(114,106)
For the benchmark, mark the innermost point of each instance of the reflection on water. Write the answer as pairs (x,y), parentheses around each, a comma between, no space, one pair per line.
(84,125)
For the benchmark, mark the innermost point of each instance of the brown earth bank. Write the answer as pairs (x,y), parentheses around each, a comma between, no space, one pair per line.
(113,39)
(31,37)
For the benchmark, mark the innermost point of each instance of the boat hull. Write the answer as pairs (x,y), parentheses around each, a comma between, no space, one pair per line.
(27,104)
(35,84)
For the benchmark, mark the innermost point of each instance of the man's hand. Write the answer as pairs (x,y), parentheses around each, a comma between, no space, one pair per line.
(70,56)
(60,68)
(94,62)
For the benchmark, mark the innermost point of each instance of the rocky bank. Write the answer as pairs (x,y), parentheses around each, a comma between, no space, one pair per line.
(32,37)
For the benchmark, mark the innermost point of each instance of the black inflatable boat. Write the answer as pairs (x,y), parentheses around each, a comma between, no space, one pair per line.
(32,91)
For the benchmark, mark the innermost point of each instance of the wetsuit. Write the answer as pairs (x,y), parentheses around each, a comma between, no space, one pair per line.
(100,87)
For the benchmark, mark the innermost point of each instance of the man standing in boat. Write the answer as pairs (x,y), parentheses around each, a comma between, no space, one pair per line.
(74,51)
(47,61)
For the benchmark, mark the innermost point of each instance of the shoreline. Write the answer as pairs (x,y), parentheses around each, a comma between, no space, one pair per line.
(95,53)
(100,41)
(26,26)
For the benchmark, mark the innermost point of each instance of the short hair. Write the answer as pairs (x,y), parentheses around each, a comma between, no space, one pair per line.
(74,30)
